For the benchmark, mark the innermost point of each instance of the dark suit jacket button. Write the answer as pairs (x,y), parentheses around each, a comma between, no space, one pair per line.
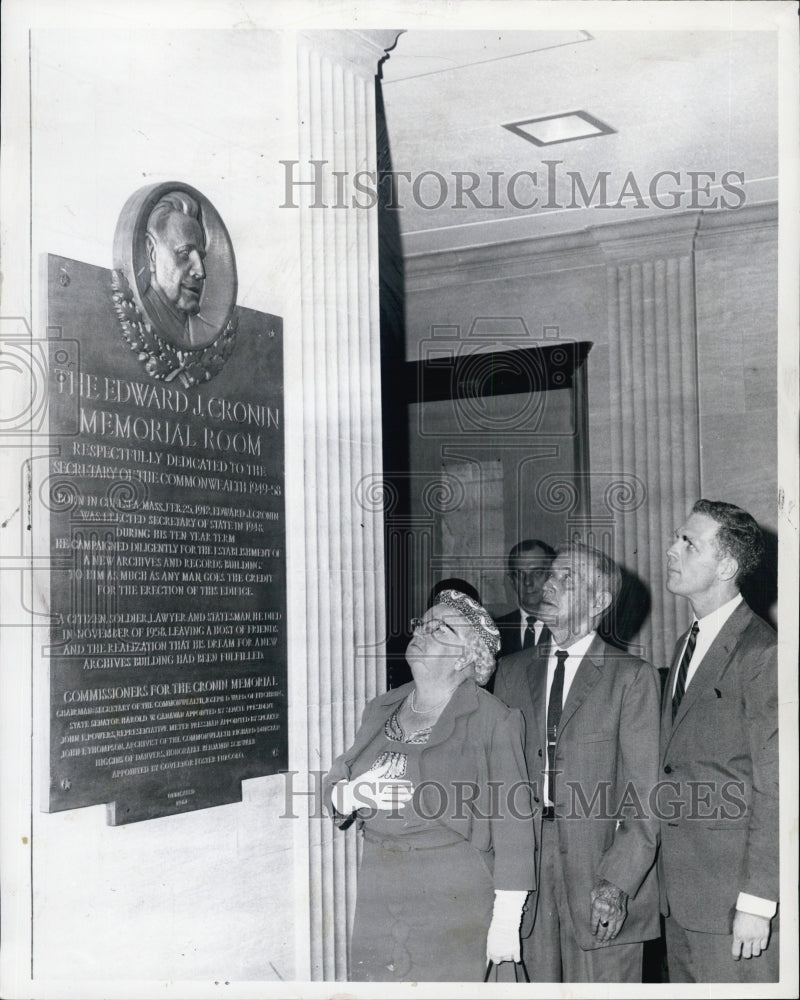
(539,751)
(536,800)
(668,769)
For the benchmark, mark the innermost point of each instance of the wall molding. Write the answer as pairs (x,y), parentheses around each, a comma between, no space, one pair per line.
(362,50)
(753,223)
(666,234)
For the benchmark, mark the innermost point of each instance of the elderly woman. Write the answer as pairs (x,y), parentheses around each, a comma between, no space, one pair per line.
(437,779)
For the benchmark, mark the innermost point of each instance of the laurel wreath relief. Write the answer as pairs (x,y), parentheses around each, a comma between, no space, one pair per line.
(163,360)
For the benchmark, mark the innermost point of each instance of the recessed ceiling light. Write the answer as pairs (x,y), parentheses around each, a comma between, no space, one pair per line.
(565,127)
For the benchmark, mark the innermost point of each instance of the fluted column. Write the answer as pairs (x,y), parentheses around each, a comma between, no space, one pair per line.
(655,417)
(344,564)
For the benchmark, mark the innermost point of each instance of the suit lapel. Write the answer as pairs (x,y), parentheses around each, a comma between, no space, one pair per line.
(666,705)
(712,667)
(510,633)
(588,674)
(536,675)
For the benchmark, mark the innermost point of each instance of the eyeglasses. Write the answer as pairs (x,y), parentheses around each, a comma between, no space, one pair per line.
(429,627)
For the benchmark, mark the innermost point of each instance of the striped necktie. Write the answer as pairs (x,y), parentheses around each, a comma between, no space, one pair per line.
(686,659)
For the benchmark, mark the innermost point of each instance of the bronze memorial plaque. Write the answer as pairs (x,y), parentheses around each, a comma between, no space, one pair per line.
(167,524)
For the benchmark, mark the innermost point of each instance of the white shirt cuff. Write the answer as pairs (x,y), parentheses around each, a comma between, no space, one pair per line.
(756,905)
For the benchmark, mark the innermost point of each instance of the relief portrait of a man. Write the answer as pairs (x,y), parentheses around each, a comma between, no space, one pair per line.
(174,282)
(176,252)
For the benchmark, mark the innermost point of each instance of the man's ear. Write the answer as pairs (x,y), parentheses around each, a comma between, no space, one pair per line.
(150,246)
(727,568)
(602,602)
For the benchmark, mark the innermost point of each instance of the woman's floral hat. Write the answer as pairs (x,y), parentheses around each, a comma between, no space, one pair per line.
(478,617)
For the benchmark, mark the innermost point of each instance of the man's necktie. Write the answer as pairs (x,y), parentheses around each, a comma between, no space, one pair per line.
(683,666)
(529,639)
(554,717)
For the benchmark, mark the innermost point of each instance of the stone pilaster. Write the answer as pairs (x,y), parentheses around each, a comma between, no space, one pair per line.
(344,563)
(655,424)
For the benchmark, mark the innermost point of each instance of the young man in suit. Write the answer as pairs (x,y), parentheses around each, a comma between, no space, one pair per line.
(528,565)
(591,714)
(719,751)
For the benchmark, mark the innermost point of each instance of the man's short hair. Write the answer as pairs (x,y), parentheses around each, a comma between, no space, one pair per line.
(173,201)
(528,545)
(606,575)
(738,534)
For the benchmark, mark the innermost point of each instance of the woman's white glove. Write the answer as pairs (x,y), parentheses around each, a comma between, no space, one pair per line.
(372,790)
(502,941)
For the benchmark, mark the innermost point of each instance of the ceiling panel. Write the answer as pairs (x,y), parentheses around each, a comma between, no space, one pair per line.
(678,101)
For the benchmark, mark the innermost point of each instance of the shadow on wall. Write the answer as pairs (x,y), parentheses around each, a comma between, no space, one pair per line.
(629,613)
(394,415)
(760,589)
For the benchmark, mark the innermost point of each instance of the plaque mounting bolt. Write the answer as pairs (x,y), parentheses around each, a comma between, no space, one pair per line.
(63,277)
(66,784)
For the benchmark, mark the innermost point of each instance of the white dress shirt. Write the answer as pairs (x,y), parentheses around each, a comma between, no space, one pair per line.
(709,628)
(575,652)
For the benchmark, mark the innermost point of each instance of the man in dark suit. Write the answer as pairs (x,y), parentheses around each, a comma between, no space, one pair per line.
(719,752)
(528,565)
(591,714)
